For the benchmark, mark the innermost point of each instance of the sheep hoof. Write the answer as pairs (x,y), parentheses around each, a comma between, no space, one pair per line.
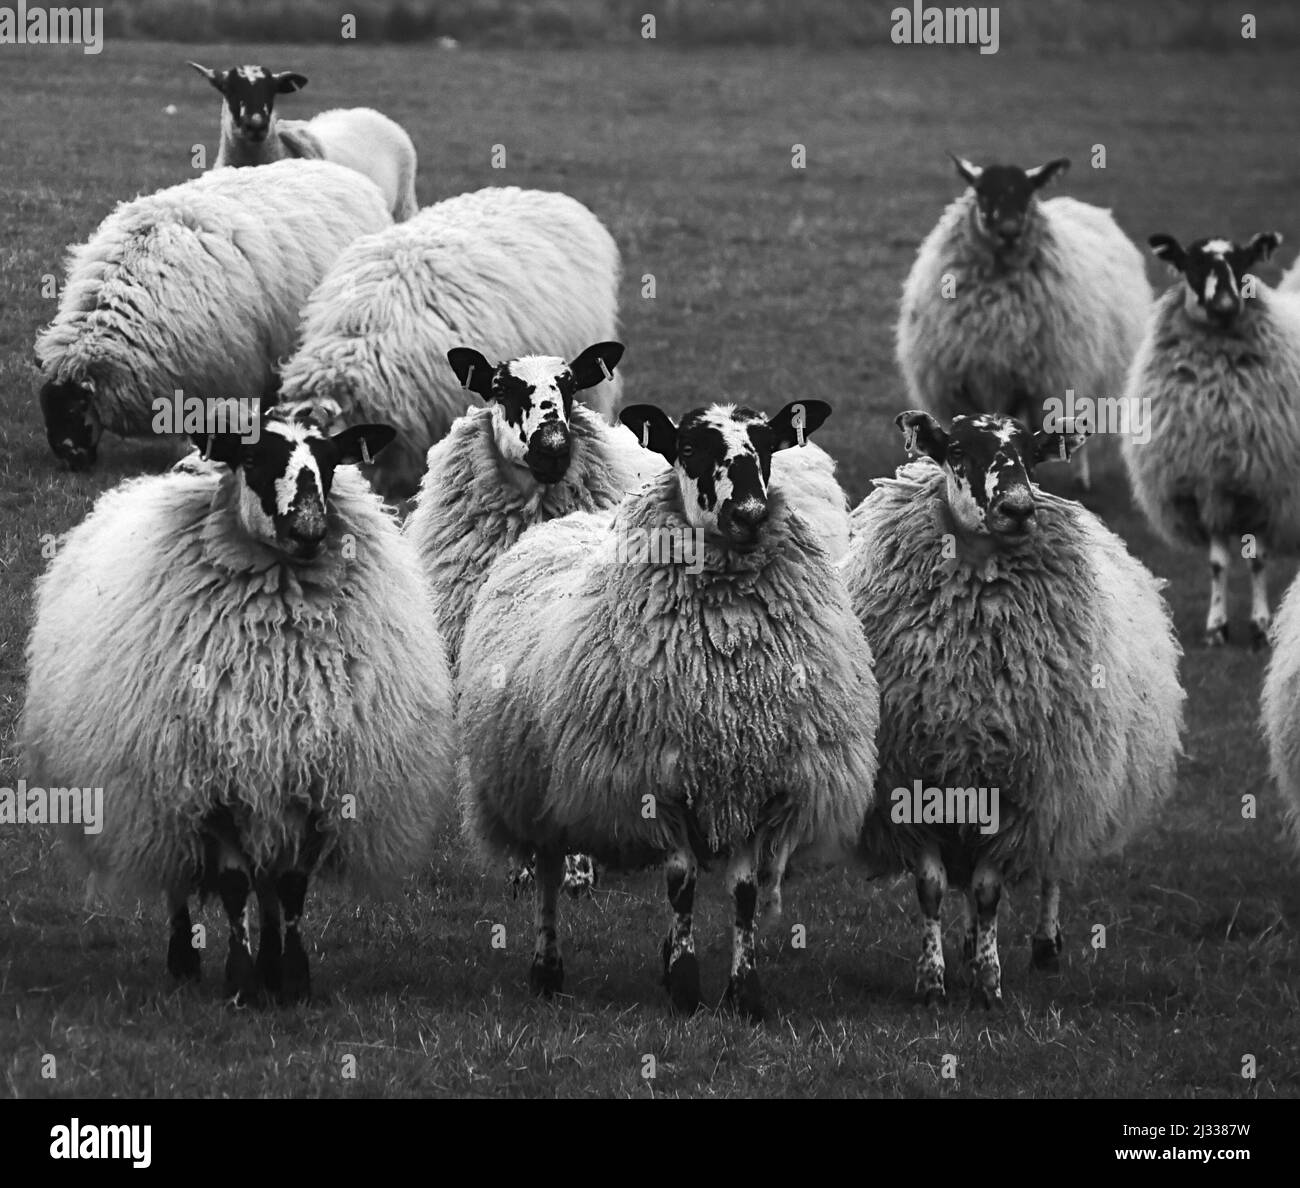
(1258,638)
(1216,637)
(183,959)
(1047,953)
(681,980)
(745,997)
(985,996)
(546,975)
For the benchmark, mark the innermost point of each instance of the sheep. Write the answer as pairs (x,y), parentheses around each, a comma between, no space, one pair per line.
(244,656)
(357,137)
(197,289)
(529,271)
(1219,368)
(1030,707)
(1014,304)
(684,678)
(1280,714)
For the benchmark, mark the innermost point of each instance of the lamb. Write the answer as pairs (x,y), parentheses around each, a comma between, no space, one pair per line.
(244,656)
(530,272)
(1219,368)
(357,137)
(1030,704)
(1022,307)
(683,679)
(196,288)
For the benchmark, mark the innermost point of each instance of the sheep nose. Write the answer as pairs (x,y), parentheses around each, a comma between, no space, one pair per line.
(1018,511)
(256,122)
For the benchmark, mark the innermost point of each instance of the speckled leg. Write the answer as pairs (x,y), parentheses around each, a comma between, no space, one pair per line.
(1216,621)
(681,970)
(1047,936)
(546,977)
(234,887)
(931,883)
(985,893)
(295,984)
(743,990)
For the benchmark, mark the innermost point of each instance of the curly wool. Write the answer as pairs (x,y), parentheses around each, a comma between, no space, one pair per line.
(1069,313)
(740,698)
(1280,711)
(469,511)
(199,286)
(1049,672)
(182,666)
(508,271)
(1225,424)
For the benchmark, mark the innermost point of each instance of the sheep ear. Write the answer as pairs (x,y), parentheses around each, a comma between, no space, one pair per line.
(1040,175)
(922,434)
(1058,446)
(361,443)
(288,80)
(219,447)
(1168,249)
(474,372)
(217,80)
(1263,245)
(653,427)
(967,170)
(596,363)
(793,424)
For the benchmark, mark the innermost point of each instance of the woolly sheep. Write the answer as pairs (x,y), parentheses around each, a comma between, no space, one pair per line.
(359,138)
(1280,710)
(1023,657)
(195,288)
(628,696)
(1013,302)
(245,658)
(1219,369)
(528,271)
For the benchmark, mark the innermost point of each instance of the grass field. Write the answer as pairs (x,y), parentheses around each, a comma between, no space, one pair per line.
(771,283)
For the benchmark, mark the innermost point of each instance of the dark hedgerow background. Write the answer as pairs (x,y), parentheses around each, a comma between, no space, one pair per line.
(771,283)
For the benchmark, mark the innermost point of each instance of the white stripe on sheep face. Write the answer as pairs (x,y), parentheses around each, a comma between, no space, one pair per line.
(722,456)
(285,478)
(1214,273)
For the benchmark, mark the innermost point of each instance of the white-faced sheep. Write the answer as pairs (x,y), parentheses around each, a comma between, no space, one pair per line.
(245,658)
(196,288)
(683,678)
(357,137)
(1219,369)
(529,272)
(1027,668)
(1013,302)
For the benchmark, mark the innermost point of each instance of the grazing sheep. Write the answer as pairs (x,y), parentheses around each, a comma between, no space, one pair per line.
(358,137)
(244,656)
(1219,368)
(527,271)
(1027,668)
(1013,302)
(195,288)
(682,679)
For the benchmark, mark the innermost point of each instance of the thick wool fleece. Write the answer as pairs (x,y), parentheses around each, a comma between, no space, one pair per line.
(1225,422)
(1067,313)
(1047,669)
(1280,710)
(739,699)
(806,477)
(199,286)
(470,509)
(509,272)
(182,666)
(363,139)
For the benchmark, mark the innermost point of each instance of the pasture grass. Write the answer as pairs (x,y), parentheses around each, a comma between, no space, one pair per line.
(771,283)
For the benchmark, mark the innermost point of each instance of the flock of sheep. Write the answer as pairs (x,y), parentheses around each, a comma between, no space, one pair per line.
(652,642)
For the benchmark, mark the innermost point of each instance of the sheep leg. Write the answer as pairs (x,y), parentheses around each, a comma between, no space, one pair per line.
(546,977)
(234,887)
(1259,616)
(968,936)
(182,956)
(743,991)
(295,977)
(931,883)
(771,873)
(1216,622)
(681,971)
(985,892)
(269,943)
(1047,936)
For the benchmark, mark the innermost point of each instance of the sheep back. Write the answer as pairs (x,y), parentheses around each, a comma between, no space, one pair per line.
(1280,711)
(182,667)
(625,708)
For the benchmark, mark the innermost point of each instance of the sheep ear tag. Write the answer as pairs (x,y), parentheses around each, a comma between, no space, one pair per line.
(909,438)
(609,375)
(365,453)
(1060,445)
